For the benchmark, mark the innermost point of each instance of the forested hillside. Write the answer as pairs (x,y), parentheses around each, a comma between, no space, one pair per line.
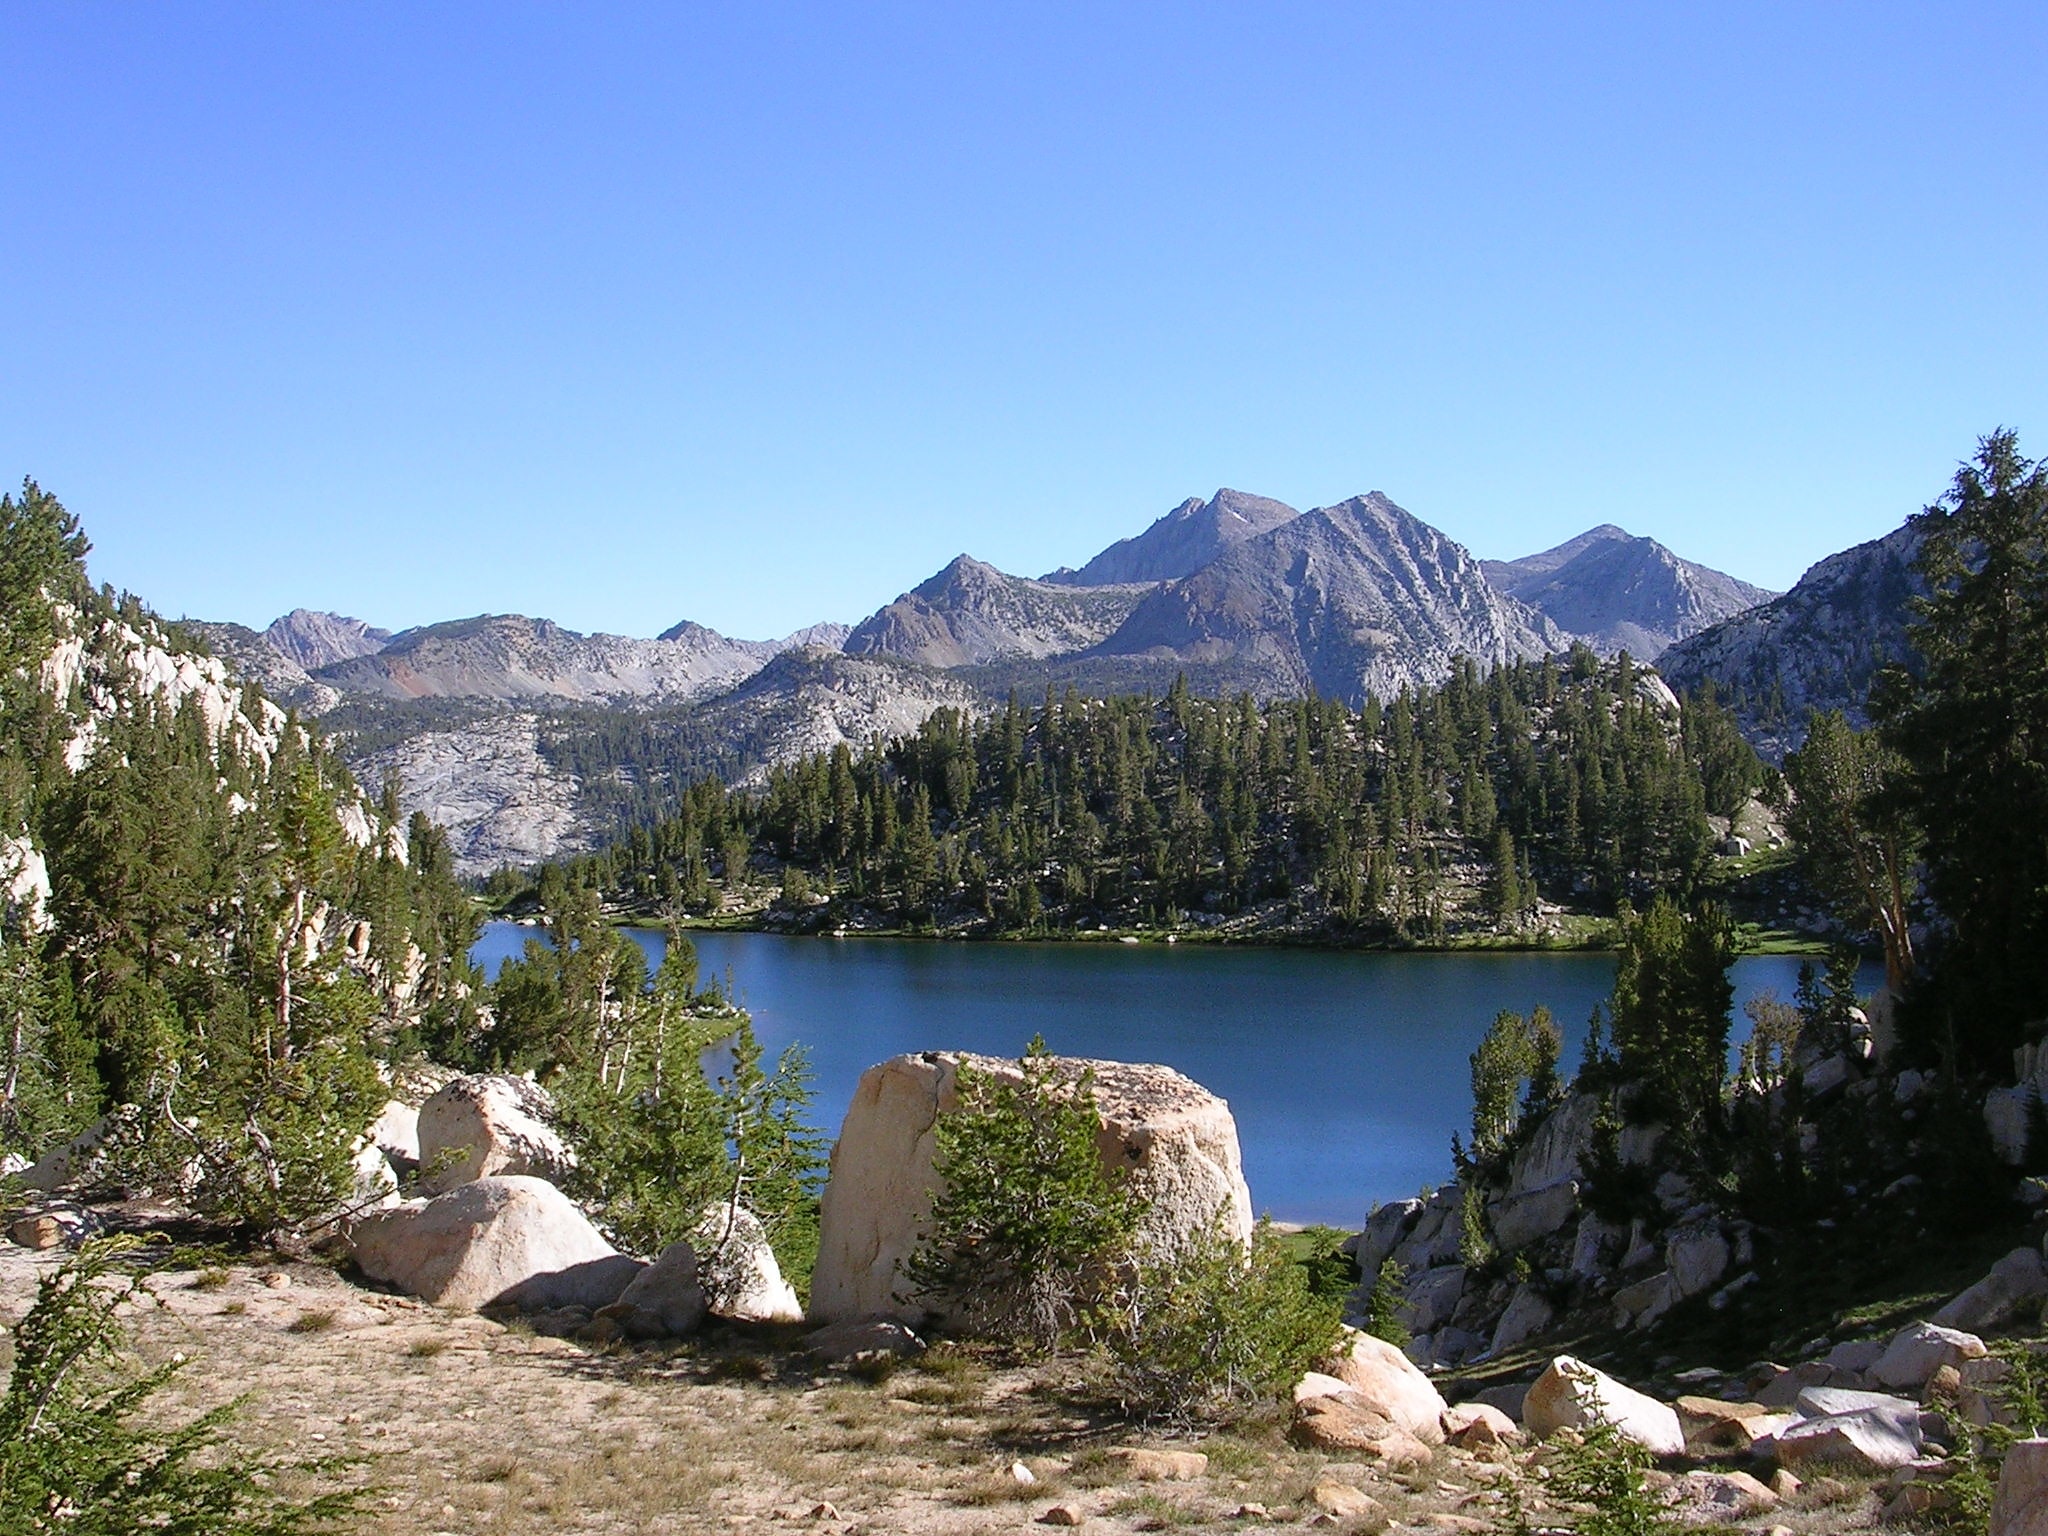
(201,915)
(1571,780)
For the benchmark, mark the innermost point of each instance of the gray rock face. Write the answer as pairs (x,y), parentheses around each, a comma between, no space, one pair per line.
(1817,647)
(1343,601)
(1622,593)
(1182,542)
(315,640)
(972,614)
(510,658)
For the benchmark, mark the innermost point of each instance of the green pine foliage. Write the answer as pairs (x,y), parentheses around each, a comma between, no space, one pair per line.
(1383,1304)
(1026,1228)
(1205,1332)
(234,936)
(1554,780)
(82,1447)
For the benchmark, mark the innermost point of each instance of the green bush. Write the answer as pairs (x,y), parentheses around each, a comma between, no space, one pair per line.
(1600,1477)
(1026,1227)
(1203,1332)
(1383,1305)
(73,1459)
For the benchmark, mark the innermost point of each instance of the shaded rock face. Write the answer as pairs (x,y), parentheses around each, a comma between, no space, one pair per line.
(1173,1140)
(668,1292)
(1817,647)
(1622,593)
(314,640)
(2021,1505)
(478,1127)
(1343,601)
(512,1241)
(1182,542)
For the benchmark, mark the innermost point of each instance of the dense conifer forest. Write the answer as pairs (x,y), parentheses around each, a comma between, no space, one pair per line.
(1572,781)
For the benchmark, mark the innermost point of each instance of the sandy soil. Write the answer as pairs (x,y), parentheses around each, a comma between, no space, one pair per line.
(467,1426)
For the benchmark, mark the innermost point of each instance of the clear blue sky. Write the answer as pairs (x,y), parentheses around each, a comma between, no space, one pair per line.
(757,314)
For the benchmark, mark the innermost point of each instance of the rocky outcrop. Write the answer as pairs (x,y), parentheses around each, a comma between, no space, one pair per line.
(1817,647)
(2016,1283)
(482,1126)
(1331,1415)
(500,1241)
(1173,1140)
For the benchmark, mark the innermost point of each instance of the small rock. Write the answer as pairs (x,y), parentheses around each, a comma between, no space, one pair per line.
(1341,1499)
(1711,1498)
(2020,1507)
(275,1281)
(1143,1465)
(1784,1484)
(1251,1512)
(1022,1475)
(37,1232)
(1470,1426)
(863,1336)
(1062,1514)
(824,1510)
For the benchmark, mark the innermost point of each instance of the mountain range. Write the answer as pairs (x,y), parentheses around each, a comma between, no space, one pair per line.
(483,718)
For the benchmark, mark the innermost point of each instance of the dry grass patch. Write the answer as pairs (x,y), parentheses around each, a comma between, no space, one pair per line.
(318,1320)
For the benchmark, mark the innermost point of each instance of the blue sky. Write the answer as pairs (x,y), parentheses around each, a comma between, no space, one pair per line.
(757,315)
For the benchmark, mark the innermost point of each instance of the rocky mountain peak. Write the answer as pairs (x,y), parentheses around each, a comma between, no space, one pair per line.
(1620,592)
(1182,542)
(313,640)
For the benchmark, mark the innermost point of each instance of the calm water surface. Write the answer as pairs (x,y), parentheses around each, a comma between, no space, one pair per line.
(1347,1072)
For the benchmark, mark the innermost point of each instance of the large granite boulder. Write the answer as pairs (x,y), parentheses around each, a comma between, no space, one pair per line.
(483,1126)
(1171,1138)
(738,1271)
(1918,1350)
(513,1241)
(666,1297)
(1388,1382)
(2016,1283)
(1572,1395)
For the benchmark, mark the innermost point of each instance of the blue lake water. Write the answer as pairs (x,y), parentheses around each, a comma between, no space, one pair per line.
(1347,1072)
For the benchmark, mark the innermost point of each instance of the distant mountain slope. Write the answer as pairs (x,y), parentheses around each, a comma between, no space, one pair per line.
(1182,542)
(1358,598)
(971,614)
(509,657)
(1620,592)
(812,699)
(1817,647)
(315,640)
(252,656)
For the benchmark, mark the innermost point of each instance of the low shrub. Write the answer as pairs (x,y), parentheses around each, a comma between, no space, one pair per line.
(1204,1332)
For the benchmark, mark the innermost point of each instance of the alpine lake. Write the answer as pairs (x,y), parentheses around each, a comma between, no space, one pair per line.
(1348,1071)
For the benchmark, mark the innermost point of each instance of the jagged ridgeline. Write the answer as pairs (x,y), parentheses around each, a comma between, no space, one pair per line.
(1461,806)
(201,915)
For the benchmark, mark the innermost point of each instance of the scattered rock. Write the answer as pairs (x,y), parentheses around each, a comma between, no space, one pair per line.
(1471,1426)
(1388,1382)
(396,1133)
(1868,1440)
(1918,1350)
(2020,1507)
(1170,1138)
(1251,1512)
(1718,1498)
(1330,1416)
(1640,1305)
(862,1336)
(1062,1514)
(666,1294)
(1142,1465)
(1508,1399)
(482,1126)
(511,1241)
(1022,1475)
(59,1224)
(1784,1483)
(1571,1394)
(82,1161)
(1342,1500)
(1712,1426)
(1696,1256)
